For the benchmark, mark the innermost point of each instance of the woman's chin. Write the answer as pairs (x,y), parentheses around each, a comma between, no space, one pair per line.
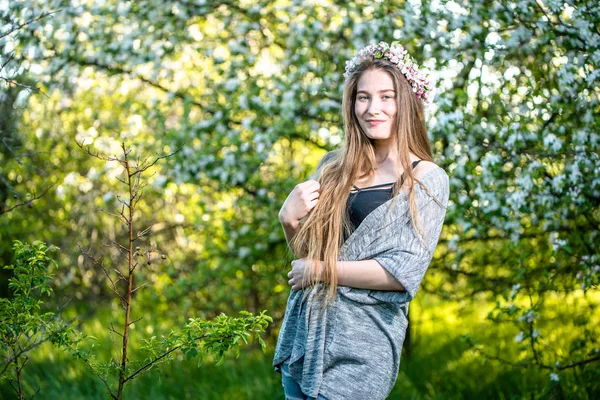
(377,136)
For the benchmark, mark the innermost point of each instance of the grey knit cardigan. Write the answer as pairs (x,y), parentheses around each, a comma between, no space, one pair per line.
(352,351)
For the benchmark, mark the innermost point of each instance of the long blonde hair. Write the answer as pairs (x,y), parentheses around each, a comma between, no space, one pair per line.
(321,234)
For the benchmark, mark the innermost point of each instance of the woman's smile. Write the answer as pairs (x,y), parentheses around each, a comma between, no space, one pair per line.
(374,123)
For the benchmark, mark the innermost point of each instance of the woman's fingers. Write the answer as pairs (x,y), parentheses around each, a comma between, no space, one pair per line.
(296,274)
(310,185)
(308,190)
(291,280)
(293,284)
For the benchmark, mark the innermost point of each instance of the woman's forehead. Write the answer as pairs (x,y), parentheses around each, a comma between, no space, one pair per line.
(375,81)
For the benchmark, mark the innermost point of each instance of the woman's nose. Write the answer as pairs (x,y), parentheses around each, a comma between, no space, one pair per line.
(374,107)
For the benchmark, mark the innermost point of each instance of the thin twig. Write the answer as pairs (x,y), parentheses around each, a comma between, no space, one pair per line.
(154,162)
(142,233)
(140,286)
(7,61)
(89,364)
(118,216)
(28,202)
(112,282)
(16,28)
(135,320)
(113,243)
(113,330)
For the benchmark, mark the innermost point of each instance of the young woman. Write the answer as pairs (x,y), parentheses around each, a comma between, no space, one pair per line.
(363,230)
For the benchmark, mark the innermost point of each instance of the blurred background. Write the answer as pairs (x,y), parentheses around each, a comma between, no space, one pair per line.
(241,99)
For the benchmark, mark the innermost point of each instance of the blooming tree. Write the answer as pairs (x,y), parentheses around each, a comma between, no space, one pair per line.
(250,90)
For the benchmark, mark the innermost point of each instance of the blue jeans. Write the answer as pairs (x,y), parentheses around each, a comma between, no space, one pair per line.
(291,389)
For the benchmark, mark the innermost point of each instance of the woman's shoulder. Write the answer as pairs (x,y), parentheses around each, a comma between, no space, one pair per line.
(423,167)
(432,176)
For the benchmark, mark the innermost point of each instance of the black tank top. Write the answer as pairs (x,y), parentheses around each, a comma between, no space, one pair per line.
(362,201)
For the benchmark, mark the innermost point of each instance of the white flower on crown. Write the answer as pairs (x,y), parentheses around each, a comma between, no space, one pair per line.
(398,56)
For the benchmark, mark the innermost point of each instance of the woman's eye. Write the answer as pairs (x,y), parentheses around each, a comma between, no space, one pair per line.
(387,97)
(362,97)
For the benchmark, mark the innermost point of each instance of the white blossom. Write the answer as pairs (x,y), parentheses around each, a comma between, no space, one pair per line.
(520,336)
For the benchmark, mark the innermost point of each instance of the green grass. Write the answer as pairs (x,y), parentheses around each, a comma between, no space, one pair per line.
(250,377)
(440,366)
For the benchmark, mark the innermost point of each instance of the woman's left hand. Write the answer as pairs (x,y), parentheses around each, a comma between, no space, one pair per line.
(299,269)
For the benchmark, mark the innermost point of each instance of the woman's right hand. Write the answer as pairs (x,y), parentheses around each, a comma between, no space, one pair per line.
(299,202)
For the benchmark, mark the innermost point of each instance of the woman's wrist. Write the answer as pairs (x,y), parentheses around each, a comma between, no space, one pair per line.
(288,222)
(340,274)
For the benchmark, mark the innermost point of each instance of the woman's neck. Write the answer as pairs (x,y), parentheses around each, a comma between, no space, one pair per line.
(384,154)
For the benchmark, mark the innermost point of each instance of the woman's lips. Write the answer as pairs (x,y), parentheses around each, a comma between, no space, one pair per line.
(375,123)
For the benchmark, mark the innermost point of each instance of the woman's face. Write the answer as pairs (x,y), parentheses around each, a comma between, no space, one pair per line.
(375,104)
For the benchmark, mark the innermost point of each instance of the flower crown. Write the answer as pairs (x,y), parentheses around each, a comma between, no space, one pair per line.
(398,56)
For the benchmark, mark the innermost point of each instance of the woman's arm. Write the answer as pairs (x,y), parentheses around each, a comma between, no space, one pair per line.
(364,274)
(290,228)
